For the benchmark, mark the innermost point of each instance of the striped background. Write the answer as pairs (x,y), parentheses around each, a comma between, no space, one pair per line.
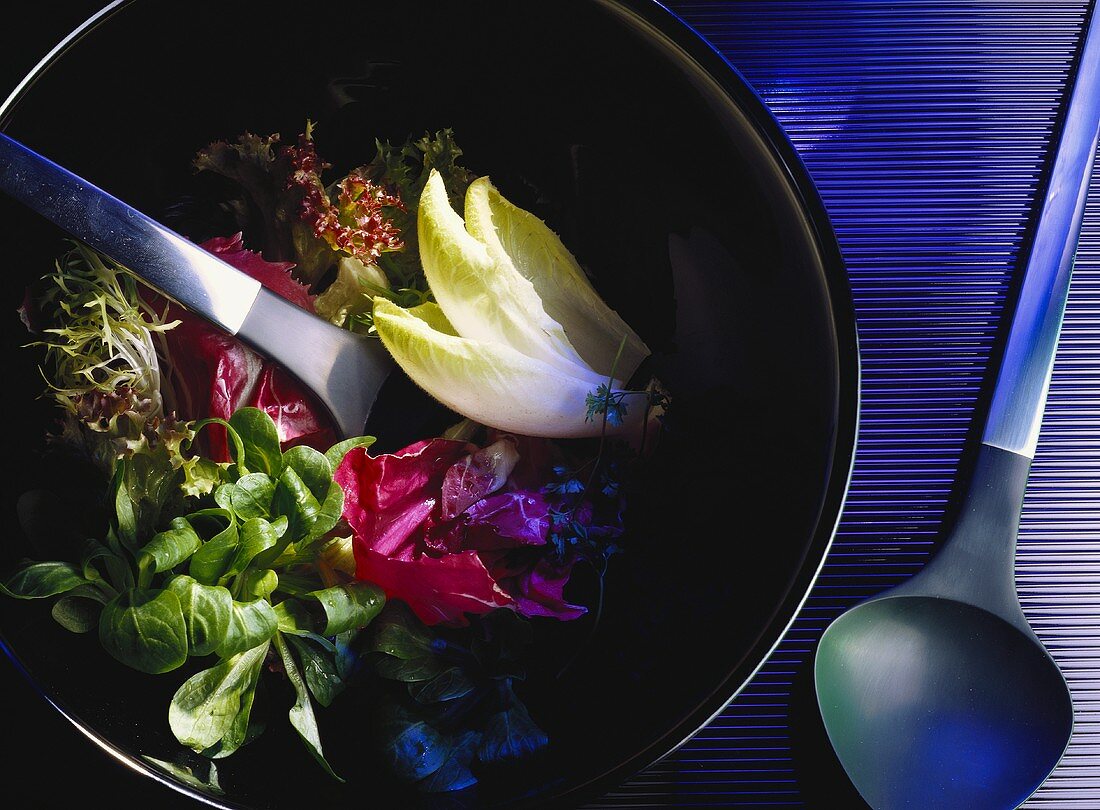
(926,125)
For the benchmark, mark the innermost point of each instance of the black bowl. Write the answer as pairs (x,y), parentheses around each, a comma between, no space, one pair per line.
(677,190)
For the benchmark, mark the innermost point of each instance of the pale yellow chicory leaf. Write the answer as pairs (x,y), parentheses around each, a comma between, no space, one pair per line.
(486,300)
(521,242)
(490,383)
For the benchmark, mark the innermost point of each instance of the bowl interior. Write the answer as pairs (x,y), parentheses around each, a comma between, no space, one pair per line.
(672,199)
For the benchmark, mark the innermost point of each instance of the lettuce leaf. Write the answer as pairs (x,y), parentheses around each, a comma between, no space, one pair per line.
(491,383)
(484,297)
(521,242)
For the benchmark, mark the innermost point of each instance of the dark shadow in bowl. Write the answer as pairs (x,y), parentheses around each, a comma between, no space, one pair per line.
(698,226)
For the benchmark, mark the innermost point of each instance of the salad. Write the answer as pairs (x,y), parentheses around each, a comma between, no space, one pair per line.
(241,540)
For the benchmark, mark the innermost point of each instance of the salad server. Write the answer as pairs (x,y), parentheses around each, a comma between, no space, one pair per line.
(938,693)
(344,370)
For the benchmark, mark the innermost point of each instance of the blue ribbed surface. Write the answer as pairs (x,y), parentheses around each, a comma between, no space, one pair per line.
(927,126)
(1058,563)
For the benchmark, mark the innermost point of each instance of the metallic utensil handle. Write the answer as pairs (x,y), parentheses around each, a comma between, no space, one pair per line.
(1016,410)
(178,268)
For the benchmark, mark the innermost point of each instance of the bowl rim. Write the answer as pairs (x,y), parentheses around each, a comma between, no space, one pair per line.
(661,21)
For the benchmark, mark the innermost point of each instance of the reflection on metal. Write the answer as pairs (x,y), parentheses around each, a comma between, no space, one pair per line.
(1016,410)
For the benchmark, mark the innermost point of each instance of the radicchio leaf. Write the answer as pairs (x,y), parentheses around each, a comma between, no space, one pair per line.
(493,554)
(214,374)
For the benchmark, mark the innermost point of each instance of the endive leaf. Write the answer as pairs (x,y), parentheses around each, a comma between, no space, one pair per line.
(348,294)
(487,300)
(519,242)
(489,382)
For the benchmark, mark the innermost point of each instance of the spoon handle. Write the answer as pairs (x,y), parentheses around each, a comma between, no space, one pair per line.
(1020,393)
(178,268)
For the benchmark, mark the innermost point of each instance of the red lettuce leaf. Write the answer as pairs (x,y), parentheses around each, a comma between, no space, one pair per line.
(538,589)
(488,556)
(478,475)
(390,500)
(440,590)
(507,520)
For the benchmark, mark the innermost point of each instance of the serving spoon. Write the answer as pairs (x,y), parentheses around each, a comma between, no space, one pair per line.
(937,694)
(344,370)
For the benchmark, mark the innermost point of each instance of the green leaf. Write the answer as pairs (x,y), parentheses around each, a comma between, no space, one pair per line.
(212,562)
(206,612)
(144,629)
(349,607)
(408,670)
(116,547)
(250,624)
(77,614)
(412,748)
(332,509)
(331,611)
(250,497)
(209,704)
(125,515)
(119,571)
(151,479)
(297,619)
(336,453)
(200,476)
(37,580)
(242,731)
(256,535)
(301,713)
(257,583)
(320,670)
(90,552)
(344,656)
(315,471)
(399,633)
(237,452)
(169,548)
(262,452)
(449,684)
(294,500)
(510,734)
(454,773)
(406,168)
(312,467)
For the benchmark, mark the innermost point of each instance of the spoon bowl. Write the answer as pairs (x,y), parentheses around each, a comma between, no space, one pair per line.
(937,694)
(976,713)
